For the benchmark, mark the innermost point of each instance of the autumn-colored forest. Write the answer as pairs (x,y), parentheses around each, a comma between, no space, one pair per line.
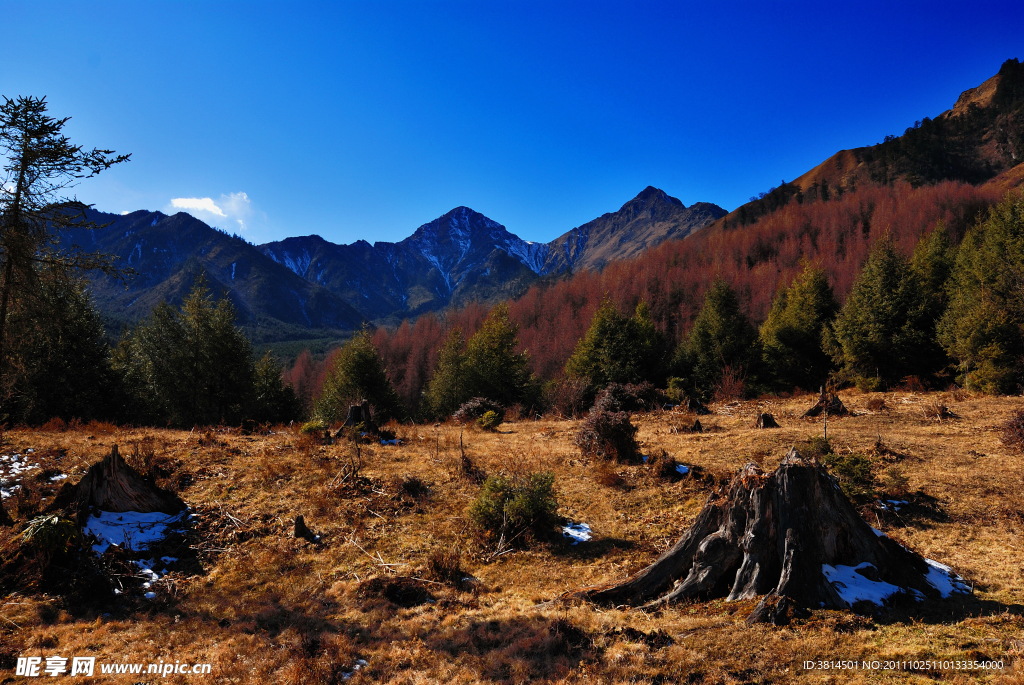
(756,259)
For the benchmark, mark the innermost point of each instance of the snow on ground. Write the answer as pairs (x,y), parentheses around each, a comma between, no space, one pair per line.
(12,468)
(945,580)
(577,532)
(132,529)
(853,587)
(683,469)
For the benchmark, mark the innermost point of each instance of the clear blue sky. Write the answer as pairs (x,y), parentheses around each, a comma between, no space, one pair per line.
(367,120)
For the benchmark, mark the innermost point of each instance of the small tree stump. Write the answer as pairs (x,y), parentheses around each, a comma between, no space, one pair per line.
(695,406)
(829,403)
(358,414)
(697,427)
(773,534)
(766,421)
(302,531)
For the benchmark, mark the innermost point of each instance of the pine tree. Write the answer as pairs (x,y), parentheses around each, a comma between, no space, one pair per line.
(493,367)
(190,366)
(722,336)
(882,333)
(357,373)
(791,336)
(983,327)
(448,389)
(619,350)
(59,355)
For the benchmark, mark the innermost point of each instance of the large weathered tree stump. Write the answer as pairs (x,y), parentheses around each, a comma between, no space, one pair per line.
(766,421)
(113,485)
(791,535)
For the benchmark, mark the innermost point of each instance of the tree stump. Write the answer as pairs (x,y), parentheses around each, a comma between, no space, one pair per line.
(113,485)
(695,406)
(766,421)
(697,427)
(358,414)
(791,535)
(302,530)
(829,403)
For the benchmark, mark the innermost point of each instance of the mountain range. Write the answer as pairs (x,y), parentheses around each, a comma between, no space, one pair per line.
(286,288)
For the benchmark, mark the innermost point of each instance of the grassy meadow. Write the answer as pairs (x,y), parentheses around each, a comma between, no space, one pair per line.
(400,588)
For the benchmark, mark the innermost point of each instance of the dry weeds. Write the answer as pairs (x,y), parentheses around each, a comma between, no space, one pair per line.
(262,606)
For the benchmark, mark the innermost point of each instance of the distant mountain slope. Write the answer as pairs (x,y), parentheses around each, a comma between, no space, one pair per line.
(649,219)
(167,251)
(458,257)
(464,256)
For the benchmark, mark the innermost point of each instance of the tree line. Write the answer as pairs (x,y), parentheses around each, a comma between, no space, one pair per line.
(945,313)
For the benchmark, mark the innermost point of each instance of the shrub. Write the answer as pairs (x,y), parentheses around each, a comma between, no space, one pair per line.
(1013,432)
(609,435)
(514,509)
(855,473)
(444,565)
(876,404)
(476,408)
(568,396)
(630,397)
(489,421)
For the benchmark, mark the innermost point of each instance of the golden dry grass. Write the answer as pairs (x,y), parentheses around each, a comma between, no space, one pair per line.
(261,606)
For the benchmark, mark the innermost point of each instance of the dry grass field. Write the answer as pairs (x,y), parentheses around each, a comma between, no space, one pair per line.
(365,603)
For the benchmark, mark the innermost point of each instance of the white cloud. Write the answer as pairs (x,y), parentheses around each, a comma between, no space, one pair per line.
(199,204)
(237,208)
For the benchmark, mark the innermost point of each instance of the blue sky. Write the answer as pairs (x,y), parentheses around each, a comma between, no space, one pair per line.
(366,120)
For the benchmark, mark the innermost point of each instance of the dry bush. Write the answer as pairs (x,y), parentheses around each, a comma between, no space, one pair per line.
(94,427)
(895,481)
(476,408)
(568,397)
(413,486)
(934,410)
(606,475)
(876,404)
(731,386)
(662,466)
(54,425)
(141,455)
(629,397)
(608,435)
(912,384)
(1013,431)
(444,565)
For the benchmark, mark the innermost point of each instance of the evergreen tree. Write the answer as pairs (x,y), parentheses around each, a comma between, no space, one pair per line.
(983,328)
(619,350)
(493,367)
(357,373)
(883,332)
(791,337)
(722,336)
(194,366)
(58,355)
(448,389)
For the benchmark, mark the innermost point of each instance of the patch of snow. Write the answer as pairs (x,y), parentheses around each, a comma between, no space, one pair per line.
(133,529)
(59,476)
(360,663)
(878,532)
(682,469)
(577,532)
(150,595)
(945,580)
(233,270)
(853,587)
(154,223)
